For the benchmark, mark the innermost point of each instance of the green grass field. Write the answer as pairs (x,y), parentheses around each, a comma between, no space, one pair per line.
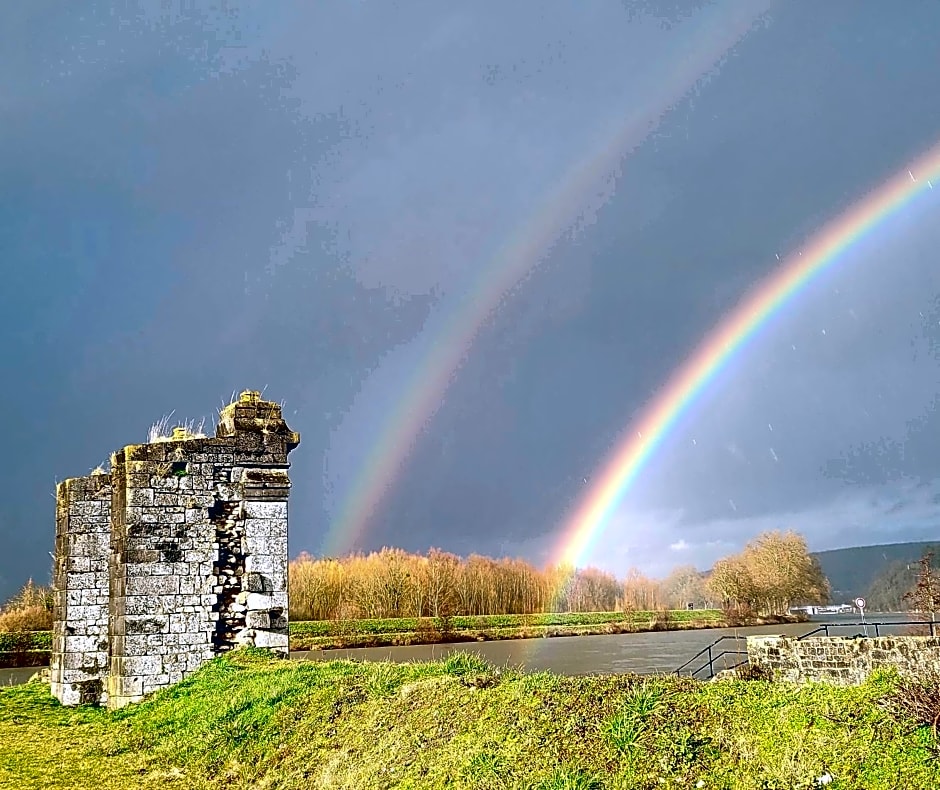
(400,625)
(249,721)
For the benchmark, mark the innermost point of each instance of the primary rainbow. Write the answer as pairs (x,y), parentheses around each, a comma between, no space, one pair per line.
(729,337)
(692,57)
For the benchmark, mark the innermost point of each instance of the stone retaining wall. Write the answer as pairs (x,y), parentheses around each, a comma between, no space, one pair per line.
(840,660)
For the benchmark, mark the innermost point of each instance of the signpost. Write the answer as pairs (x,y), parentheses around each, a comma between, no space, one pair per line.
(860,603)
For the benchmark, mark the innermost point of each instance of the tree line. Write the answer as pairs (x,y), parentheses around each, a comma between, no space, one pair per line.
(774,572)
(890,590)
(395,583)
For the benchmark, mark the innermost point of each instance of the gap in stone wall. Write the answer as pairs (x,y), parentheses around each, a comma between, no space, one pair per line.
(229,569)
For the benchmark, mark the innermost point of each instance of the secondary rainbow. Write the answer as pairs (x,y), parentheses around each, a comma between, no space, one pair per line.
(729,337)
(692,57)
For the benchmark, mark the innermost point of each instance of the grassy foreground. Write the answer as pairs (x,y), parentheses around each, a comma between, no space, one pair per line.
(247,720)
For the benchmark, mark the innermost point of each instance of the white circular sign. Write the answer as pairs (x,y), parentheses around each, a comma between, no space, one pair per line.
(860,603)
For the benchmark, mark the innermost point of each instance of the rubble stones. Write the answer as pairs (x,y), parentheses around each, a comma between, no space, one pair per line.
(177,555)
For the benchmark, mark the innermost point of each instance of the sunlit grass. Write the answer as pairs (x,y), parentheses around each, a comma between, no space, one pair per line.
(251,721)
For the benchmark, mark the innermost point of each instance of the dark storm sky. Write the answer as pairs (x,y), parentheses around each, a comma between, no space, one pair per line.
(297,196)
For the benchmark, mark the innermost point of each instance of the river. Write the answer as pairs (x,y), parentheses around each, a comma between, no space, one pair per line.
(643,653)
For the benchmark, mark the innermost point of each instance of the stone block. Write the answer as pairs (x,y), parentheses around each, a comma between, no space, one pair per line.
(245,636)
(152,624)
(85,644)
(266,511)
(271,641)
(79,564)
(82,613)
(254,582)
(124,687)
(142,665)
(267,564)
(90,544)
(67,693)
(146,605)
(256,601)
(90,663)
(152,585)
(258,619)
(142,497)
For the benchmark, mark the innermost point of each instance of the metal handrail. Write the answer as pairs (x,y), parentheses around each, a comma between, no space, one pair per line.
(706,649)
(712,656)
(823,628)
(713,660)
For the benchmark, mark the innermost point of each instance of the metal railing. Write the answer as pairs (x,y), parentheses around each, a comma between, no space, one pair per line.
(865,625)
(711,655)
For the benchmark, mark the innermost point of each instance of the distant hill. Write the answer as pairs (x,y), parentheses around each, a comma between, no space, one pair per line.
(852,571)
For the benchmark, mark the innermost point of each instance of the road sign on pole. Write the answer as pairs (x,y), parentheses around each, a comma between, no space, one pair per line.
(860,603)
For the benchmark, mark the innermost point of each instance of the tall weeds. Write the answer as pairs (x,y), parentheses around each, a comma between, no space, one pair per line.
(394,583)
(30,609)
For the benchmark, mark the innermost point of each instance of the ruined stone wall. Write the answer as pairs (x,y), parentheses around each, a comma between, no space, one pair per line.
(197,559)
(841,660)
(79,659)
(163,549)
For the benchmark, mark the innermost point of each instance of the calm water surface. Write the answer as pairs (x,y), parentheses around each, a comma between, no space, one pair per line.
(661,651)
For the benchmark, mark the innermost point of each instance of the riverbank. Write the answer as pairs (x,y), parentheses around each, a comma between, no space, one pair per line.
(32,648)
(247,720)
(337,635)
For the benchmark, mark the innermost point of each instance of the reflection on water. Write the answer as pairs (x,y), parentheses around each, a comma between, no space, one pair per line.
(648,653)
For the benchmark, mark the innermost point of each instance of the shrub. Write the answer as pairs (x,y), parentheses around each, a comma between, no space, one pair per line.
(661,620)
(751,671)
(738,614)
(30,609)
(917,698)
(30,618)
(30,594)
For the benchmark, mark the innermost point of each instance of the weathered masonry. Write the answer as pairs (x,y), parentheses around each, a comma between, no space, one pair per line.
(840,660)
(175,556)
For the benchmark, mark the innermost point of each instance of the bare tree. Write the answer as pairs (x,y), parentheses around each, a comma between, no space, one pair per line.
(774,571)
(925,595)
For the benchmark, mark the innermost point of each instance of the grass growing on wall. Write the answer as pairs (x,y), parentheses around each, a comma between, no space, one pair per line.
(250,721)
